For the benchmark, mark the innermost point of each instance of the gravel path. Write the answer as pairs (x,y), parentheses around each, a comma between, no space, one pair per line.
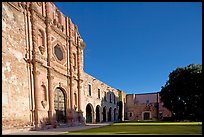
(51,131)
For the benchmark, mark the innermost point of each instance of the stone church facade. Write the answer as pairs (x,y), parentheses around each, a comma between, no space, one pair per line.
(43,81)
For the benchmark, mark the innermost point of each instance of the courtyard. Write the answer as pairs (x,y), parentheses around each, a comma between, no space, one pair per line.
(144,127)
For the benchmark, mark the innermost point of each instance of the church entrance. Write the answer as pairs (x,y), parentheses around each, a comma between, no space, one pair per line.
(59,105)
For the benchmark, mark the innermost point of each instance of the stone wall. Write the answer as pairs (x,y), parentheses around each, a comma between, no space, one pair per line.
(16,91)
(139,105)
(42,51)
(42,56)
(108,97)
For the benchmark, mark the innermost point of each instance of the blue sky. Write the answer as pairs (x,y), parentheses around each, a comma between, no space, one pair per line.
(134,46)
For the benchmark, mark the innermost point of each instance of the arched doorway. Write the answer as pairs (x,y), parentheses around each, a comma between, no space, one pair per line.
(120,111)
(110,114)
(89,113)
(97,113)
(59,105)
(146,115)
(104,114)
(114,114)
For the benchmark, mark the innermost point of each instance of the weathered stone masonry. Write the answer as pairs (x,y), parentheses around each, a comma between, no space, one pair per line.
(43,78)
(146,106)
(43,81)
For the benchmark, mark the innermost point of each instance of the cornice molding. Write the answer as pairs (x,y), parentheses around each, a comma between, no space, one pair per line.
(59,32)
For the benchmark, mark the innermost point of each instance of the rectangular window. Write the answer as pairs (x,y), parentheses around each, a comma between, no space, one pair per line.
(75,99)
(89,90)
(114,98)
(104,96)
(99,93)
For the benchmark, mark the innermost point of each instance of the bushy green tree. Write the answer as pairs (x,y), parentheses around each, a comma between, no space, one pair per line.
(182,93)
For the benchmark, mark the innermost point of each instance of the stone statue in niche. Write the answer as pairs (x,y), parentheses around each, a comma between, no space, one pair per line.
(44,103)
(44,96)
(41,45)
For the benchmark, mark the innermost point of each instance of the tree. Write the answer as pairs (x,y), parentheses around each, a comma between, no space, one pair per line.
(182,93)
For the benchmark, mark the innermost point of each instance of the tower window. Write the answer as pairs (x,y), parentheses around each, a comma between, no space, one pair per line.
(99,93)
(104,96)
(89,90)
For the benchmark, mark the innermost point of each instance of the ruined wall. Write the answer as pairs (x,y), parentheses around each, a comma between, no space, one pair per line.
(139,104)
(42,56)
(42,51)
(124,101)
(103,101)
(16,91)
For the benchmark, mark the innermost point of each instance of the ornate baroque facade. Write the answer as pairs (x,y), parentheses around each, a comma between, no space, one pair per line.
(43,81)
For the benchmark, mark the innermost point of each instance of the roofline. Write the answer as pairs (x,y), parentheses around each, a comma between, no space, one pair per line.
(144,93)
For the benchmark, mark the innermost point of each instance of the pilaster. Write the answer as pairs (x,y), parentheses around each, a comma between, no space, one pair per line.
(71,67)
(35,72)
(49,71)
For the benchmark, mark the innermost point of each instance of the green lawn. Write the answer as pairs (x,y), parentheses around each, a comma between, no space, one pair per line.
(171,128)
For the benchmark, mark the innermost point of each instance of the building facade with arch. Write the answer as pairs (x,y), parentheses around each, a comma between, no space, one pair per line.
(43,80)
(146,106)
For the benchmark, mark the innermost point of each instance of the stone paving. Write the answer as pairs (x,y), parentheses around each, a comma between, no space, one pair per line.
(52,131)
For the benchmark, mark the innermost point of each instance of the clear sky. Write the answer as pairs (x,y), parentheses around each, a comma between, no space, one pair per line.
(134,46)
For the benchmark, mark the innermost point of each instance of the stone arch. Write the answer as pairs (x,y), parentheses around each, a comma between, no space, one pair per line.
(115,118)
(60,104)
(110,114)
(104,114)
(97,113)
(89,113)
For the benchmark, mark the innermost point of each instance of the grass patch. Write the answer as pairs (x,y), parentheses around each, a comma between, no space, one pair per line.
(151,128)
(159,123)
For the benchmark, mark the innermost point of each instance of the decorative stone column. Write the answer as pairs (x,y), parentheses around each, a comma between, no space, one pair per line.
(35,72)
(49,56)
(71,73)
(51,98)
(37,98)
(94,117)
(80,82)
(71,76)
(79,77)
